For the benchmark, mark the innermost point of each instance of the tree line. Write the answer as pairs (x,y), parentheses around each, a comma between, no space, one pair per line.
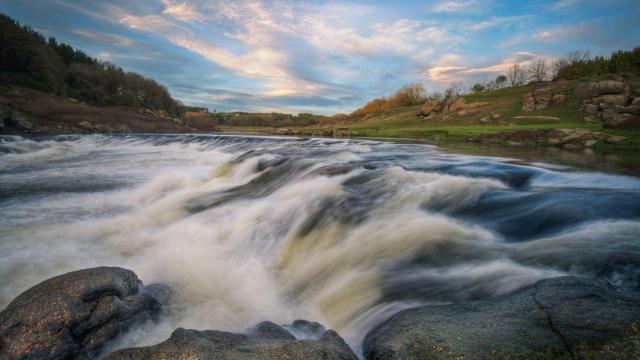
(28,59)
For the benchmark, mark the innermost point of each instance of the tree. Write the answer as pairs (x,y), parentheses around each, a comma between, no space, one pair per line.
(409,95)
(454,89)
(578,55)
(478,88)
(517,75)
(538,70)
(500,81)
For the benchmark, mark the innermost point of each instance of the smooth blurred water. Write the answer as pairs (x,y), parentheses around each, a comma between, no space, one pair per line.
(344,232)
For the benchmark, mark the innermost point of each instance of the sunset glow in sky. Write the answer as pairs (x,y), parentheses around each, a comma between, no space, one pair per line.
(324,56)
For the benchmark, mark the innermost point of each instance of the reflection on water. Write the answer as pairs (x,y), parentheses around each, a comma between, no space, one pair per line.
(344,232)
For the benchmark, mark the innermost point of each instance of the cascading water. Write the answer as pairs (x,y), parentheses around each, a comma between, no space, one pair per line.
(344,232)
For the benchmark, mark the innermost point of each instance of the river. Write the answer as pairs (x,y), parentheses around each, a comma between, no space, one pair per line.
(344,232)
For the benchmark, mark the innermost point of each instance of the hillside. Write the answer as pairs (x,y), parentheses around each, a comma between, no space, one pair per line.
(498,116)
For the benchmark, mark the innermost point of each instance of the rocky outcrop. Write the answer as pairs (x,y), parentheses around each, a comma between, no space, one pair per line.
(542,97)
(265,341)
(611,102)
(571,139)
(564,318)
(72,316)
(451,104)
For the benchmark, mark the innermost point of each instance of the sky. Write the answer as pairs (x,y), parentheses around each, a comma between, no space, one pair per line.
(325,57)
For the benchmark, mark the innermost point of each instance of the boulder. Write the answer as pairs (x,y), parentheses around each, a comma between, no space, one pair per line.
(265,341)
(456,104)
(543,94)
(558,99)
(567,317)
(612,139)
(590,109)
(611,87)
(85,125)
(72,316)
(469,112)
(537,117)
(613,99)
(585,91)
(475,105)
(617,120)
(432,106)
(528,102)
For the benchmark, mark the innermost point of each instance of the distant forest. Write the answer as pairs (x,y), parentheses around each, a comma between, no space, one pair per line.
(28,59)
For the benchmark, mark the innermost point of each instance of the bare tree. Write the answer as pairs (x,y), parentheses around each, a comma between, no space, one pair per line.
(517,75)
(538,70)
(578,55)
(454,89)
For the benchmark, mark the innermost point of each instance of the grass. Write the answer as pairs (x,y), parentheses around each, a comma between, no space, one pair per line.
(406,123)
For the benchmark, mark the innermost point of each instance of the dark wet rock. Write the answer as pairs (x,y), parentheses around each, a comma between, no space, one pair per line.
(73,315)
(265,341)
(567,317)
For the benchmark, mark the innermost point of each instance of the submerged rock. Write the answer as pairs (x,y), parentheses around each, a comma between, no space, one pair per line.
(265,341)
(73,315)
(565,317)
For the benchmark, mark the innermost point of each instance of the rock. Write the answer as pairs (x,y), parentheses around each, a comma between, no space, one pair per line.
(475,105)
(611,87)
(457,105)
(543,93)
(591,119)
(572,146)
(612,139)
(534,117)
(567,317)
(613,99)
(485,119)
(585,90)
(21,122)
(470,112)
(635,101)
(528,102)
(430,107)
(620,120)
(72,316)
(589,143)
(85,125)
(631,109)
(284,131)
(265,341)
(590,108)
(496,116)
(124,128)
(558,99)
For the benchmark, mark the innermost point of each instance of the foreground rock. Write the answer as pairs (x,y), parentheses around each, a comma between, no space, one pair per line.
(72,316)
(566,317)
(266,341)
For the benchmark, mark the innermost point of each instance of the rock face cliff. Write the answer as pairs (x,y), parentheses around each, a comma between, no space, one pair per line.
(612,102)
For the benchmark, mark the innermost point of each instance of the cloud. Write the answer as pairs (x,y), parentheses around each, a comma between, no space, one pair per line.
(562,33)
(110,39)
(182,11)
(450,6)
(565,4)
(449,73)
